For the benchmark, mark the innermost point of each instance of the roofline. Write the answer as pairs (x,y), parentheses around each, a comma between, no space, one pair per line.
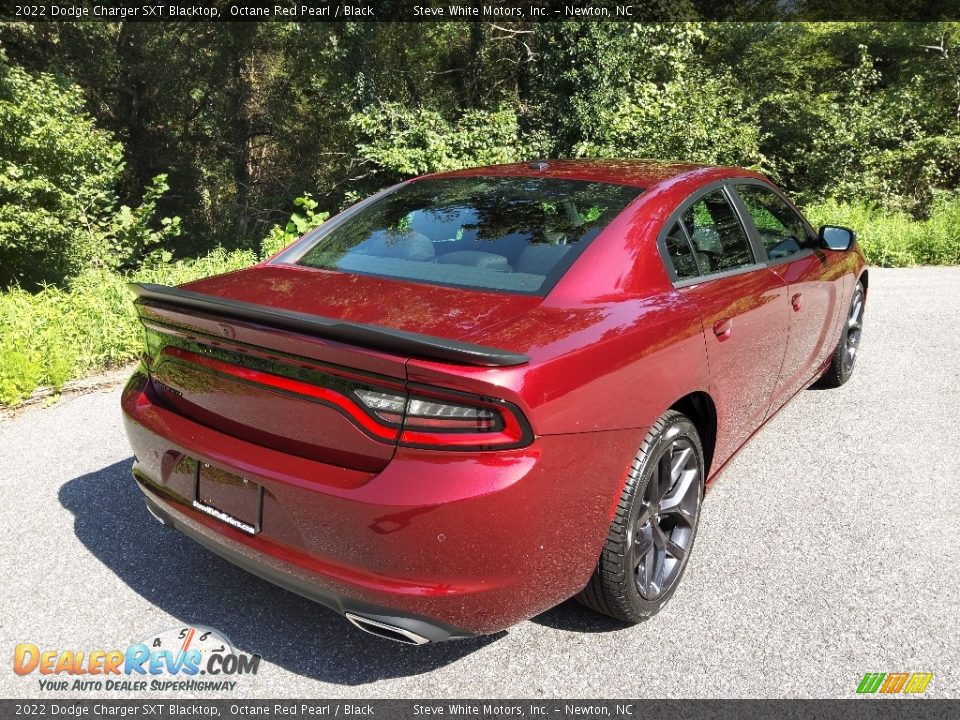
(633,172)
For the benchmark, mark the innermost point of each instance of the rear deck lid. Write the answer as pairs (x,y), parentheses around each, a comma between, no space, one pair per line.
(256,357)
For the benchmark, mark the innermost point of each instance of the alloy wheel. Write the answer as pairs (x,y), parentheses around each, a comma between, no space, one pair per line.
(667,517)
(853,330)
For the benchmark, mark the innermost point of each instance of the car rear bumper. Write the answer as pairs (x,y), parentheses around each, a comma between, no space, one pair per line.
(419,630)
(443,544)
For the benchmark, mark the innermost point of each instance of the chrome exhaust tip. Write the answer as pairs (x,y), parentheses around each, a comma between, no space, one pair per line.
(386,631)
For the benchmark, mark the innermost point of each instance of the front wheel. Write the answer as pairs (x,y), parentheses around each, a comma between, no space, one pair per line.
(845,354)
(654,527)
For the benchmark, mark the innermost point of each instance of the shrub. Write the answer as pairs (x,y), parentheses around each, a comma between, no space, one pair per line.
(59,211)
(404,141)
(895,239)
(56,334)
(299,223)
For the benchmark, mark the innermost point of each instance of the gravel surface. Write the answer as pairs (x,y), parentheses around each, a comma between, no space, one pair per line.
(829,548)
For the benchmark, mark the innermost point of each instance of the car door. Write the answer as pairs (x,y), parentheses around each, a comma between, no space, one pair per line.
(743,307)
(793,252)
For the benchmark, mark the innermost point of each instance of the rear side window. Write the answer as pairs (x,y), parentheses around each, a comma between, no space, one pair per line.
(781,230)
(717,237)
(685,263)
(491,233)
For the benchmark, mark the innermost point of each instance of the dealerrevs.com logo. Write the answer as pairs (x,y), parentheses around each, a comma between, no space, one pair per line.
(185,659)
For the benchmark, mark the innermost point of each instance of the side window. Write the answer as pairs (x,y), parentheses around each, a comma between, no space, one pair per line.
(718,238)
(681,254)
(781,230)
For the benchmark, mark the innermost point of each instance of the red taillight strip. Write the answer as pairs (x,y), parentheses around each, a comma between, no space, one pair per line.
(512,434)
(515,433)
(356,414)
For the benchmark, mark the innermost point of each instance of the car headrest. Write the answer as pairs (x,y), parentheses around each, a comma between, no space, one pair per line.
(408,245)
(707,238)
(475,258)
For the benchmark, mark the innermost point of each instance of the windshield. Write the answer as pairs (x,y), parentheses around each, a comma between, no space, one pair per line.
(490,233)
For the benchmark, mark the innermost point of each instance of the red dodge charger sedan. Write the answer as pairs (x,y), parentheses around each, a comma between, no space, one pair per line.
(479,393)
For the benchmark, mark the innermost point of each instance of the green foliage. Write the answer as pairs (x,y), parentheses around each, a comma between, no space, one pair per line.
(299,223)
(857,111)
(893,238)
(56,175)
(403,141)
(241,119)
(59,210)
(127,235)
(623,90)
(56,334)
(693,117)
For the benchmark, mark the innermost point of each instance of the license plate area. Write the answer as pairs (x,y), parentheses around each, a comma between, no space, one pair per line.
(230,498)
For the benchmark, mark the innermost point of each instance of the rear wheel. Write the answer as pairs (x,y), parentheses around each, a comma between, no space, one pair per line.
(845,354)
(654,527)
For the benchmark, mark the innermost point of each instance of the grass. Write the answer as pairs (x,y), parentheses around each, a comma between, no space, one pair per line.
(894,239)
(56,335)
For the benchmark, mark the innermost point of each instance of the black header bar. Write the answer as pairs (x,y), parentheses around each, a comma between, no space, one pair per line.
(498,11)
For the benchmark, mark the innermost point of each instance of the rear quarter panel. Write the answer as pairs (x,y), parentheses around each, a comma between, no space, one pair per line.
(594,367)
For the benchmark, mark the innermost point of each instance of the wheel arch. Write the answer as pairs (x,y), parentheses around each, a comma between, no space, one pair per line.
(702,411)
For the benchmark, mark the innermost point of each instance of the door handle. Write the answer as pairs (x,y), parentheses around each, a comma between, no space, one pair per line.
(723,328)
(797,301)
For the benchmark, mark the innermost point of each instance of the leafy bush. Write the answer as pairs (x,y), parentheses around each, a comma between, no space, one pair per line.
(299,223)
(895,239)
(57,334)
(54,335)
(413,141)
(59,211)
(642,90)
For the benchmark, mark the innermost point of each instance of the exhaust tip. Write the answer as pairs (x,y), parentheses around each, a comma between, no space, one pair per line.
(156,515)
(386,631)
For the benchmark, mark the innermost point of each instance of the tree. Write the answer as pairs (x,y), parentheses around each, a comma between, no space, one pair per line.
(59,209)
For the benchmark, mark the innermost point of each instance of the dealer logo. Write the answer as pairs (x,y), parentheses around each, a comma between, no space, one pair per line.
(188,659)
(893,683)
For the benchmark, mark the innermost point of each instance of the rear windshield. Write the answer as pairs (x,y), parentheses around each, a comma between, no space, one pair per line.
(490,233)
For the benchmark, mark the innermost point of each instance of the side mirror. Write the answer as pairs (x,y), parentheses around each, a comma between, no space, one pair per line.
(835,237)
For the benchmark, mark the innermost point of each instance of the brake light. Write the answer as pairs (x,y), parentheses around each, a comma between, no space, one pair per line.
(441,422)
(422,417)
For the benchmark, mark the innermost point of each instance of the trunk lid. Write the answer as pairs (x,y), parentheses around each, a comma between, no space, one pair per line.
(275,355)
(448,312)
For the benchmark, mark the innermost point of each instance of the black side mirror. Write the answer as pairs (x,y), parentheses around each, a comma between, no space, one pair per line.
(835,237)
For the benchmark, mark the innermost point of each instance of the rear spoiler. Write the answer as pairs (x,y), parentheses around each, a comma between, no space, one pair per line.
(399,342)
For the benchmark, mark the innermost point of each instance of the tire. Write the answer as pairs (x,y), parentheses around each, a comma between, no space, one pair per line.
(625,583)
(845,354)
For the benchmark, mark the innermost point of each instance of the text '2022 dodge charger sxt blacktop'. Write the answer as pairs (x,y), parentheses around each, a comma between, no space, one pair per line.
(479,393)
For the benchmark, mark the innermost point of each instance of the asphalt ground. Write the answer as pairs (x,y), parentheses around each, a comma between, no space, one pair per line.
(829,548)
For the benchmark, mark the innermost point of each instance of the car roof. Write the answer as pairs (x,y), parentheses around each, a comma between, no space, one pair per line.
(636,173)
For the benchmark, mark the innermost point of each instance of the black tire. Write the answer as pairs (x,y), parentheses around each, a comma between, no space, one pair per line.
(845,354)
(619,587)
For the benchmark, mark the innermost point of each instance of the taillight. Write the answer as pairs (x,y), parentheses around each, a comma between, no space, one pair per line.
(414,416)
(440,422)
